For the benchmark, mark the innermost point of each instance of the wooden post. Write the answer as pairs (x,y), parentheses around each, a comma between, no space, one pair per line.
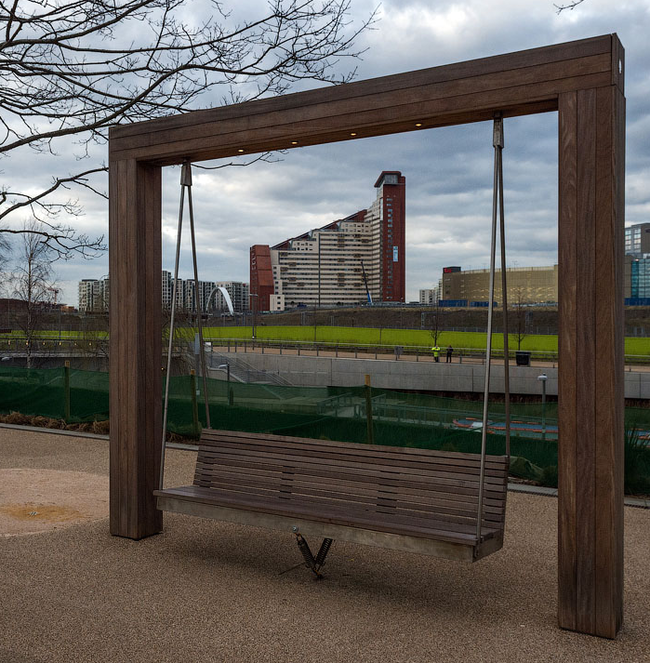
(591,396)
(135,347)
(66,391)
(370,434)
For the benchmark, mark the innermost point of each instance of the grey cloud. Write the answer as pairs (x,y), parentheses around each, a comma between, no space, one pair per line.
(448,171)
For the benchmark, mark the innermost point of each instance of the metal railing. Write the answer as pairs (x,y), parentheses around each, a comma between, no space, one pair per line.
(47,346)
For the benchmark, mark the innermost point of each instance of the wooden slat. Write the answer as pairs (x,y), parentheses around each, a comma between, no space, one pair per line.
(422,463)
(586,358)
(371,469)
(393,456)
(609,432)
(245,471)
(396,500)
(361,475)
(379,522)
(567,371)
(494,506)
(397,453)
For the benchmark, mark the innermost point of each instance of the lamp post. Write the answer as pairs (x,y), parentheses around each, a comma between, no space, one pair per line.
(542,378)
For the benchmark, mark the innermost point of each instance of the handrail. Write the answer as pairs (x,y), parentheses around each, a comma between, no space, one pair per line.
(15,345)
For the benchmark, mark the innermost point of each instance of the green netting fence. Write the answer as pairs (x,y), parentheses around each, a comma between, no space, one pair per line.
(332,413)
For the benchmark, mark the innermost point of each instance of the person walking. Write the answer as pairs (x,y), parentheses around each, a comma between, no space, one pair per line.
(436,352)
(450,351)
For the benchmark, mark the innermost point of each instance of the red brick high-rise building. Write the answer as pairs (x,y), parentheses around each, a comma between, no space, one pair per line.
(391,201)
(261,286)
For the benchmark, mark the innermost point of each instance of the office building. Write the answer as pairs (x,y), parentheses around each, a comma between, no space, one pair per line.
(352,260)
(637,239)
(526,285)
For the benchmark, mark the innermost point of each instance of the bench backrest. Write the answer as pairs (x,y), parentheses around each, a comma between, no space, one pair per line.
(437,484)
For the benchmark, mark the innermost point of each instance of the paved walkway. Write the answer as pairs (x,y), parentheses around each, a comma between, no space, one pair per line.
(424,356)
(207,591)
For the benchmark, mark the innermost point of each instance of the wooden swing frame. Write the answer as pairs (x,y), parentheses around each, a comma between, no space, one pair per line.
(583,82)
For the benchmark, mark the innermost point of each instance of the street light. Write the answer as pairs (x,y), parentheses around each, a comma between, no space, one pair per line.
(543,377)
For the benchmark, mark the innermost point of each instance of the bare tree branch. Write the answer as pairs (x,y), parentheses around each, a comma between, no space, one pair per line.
(73,68)
(571,6)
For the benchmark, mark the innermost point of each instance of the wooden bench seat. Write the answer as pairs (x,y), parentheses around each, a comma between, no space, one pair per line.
(401,498)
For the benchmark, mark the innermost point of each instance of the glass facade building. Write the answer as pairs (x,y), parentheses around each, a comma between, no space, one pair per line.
(640,277)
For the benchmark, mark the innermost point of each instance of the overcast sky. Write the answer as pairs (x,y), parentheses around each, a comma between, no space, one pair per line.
(448,171)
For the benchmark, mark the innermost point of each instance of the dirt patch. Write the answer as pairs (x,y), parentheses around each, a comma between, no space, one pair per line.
(39,500)
(40,512)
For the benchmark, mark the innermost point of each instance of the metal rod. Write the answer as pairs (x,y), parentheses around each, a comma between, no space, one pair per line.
(488,350)
(171,335)
(504,290)
(186,179)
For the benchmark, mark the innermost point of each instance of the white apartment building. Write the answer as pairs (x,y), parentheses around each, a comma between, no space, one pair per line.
(351,261)
(239,295)
(325,266)
(94,295)
(429,296)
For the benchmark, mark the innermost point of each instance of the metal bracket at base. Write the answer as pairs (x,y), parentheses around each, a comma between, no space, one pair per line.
(311,562)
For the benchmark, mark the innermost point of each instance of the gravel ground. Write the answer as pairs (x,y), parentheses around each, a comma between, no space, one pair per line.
(208,591)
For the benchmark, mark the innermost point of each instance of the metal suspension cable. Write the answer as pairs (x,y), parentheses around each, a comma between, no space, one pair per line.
(186,180)
(171,335)
(504,291)
(497,142)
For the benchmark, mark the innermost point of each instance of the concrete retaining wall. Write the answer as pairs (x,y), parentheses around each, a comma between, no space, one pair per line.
(340,372)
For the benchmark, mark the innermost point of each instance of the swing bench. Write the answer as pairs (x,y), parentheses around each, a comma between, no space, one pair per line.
(447,504)
(401,498)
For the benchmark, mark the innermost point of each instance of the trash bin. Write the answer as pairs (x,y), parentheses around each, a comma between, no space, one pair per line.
(523,358)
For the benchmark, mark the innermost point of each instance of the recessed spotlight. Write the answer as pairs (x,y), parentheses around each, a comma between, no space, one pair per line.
(418,124)
(353,134)
(294,142)
(240,151)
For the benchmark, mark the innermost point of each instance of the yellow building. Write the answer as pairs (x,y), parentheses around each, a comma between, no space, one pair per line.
(526,285)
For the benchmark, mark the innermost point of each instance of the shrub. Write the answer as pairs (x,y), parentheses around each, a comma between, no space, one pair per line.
(549,476)
(637,463)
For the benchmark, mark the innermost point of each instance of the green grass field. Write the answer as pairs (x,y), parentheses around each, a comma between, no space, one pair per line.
(404,337)
(357,336)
